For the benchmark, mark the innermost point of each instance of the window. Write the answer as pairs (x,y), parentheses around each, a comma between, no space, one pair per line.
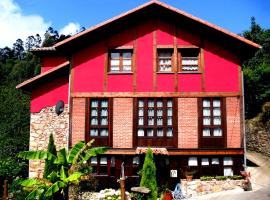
(120,61)
(228,163)
(189,59)
(99,117)
(192,161)
(155,118)
(165,60)
(211,117)
(99,165)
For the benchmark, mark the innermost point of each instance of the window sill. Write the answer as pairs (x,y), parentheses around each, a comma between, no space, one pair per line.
(165,72)
(190,72)
(119,73)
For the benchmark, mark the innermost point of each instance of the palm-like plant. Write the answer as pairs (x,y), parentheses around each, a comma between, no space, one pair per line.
(67,173)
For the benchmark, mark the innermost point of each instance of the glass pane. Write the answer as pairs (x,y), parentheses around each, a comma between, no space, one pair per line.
(140,120)
(216,112)
(94,121)
(115,55)
(169,121)
(104,121)
(165,68)
(217,120)
(160,132)
(159,112)
(115,63)
(104,132)
(190,68)
(169,132)
(93,161)
(136,160)
(206,121)
(150,112)
(192,161)
(127,68)
(206,112)
(217,132)
(140,132)
(216,103)
(141,103)
(215,161)
(151,121)
(94,103)
(159,121)
(104,112)
(206,103)
(150,132)
(115,68)
(206,132)
(169,112)
(151,103)
(127,62)
(190,61)
(227,161)
(104,103)
(205,161)
(165,54)
(103,161)
(159,104)
(127,55)
(141,111)
(113,161)
(169,103)
(228,171)
(94,112)
(93,132)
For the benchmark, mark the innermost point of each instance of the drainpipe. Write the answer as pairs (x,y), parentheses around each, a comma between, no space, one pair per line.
(243,118)
(69,105)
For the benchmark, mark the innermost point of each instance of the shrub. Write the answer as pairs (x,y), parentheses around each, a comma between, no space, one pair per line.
(148,173)
(206,178)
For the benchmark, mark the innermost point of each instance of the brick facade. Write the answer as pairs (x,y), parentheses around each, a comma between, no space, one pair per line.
(78,120)
(187,123)
(42,124)
(122,122)
(233,117)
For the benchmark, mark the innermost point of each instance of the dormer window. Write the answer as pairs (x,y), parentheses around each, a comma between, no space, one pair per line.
(165,60)
(120,61)
(189,59)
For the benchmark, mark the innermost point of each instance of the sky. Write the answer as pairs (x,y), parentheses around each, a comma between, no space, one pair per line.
(22,18)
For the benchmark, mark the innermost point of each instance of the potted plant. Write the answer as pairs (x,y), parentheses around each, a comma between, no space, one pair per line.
(166,193)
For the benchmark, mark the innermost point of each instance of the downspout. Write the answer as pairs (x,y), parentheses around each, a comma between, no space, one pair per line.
(69,105)
(243,119)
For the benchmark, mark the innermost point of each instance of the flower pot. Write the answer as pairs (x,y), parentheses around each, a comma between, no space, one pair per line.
(189,177)
(167,196)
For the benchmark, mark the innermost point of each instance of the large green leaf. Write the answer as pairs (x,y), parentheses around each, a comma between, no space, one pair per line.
(61,157)
(30,182)
(75,150)
(36,155)
(53,176)
(93,152)
(74,178)
(55,188)
(35,194)
(62,173)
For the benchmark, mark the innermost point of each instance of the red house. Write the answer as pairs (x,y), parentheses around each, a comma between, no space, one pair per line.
(154,76)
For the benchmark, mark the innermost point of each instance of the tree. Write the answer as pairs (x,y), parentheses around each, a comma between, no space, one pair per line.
(148,173)
(49,164)
(18,49)
(69,170)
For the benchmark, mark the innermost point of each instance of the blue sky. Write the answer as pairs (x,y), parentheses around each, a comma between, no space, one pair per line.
(68,15)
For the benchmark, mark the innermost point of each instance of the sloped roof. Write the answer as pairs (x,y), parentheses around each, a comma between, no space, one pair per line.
(28,84)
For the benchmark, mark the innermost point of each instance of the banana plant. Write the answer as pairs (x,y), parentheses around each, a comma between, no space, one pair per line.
(67,172)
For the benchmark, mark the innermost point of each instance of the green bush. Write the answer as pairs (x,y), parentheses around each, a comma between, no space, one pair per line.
(206,178)
(148,173)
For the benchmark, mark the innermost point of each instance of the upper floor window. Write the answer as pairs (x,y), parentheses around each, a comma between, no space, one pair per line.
(165,60)
(99,118)
(189,59)
(120,61)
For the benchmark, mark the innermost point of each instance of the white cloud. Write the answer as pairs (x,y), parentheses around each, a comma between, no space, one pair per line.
(14,24)
(70,29)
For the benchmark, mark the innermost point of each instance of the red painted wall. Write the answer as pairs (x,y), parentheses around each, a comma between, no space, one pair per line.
(145,57)
(184,37)
(89,68)
(49,94)
(50,62)
(221,69)
(165,33)
(165,82)
(120,83)
(189,82)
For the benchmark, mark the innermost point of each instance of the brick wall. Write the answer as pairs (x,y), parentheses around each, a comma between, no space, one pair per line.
(78,120)
(122,122)
(43,124)
(233,108)
(187,123)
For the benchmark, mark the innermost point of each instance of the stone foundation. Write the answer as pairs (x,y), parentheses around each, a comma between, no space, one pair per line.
(41,126)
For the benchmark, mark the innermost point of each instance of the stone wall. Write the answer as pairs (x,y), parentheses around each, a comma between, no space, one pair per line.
(42,124)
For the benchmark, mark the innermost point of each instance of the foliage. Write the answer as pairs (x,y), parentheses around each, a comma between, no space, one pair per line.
(220,178)
(148,173)
(67,172)
(49,164)
(257,71)
(206,178)
(107,194)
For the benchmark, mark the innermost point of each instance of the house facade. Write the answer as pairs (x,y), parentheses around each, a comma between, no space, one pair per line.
(152,77)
